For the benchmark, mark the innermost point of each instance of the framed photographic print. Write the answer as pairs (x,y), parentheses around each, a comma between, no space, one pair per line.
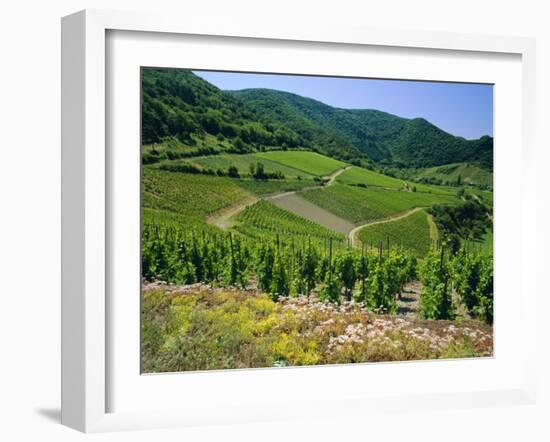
(255,218)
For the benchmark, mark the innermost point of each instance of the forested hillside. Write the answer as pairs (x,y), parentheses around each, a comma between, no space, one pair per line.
(383,137)
(193,117)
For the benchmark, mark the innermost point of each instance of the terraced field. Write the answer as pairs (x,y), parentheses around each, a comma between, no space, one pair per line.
(361,205)
(309,162)
(243,162)
(264,219)
(186,199)
(267,187)
(468,173)
(296,204)
(358,175)
(411,232)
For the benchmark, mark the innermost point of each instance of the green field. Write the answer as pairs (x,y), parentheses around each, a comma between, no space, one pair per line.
(243,162)
(309,162)
(412,233)
(450,173)
(357,175)
(359,205)
(264,219)
(266,187)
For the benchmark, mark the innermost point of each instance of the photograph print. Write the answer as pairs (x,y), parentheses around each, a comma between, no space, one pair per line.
(294,220)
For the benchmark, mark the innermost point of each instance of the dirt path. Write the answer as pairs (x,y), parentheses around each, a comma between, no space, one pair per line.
(408,302)
(352,235)
(222,218)
(335,174)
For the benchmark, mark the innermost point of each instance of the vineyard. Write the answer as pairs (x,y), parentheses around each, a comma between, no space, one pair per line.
(359,205)
(243,162)
(264,220)
(268,187)
(411,233)
(269,245)
(309,162)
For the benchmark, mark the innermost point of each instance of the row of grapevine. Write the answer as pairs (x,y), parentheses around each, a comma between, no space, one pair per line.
(465,278)
(281,268)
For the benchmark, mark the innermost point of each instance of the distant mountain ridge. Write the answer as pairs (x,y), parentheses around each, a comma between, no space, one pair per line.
(178,104)
(383,137)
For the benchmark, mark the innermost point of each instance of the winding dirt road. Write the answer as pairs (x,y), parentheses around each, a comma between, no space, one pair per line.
(290,200)
(352,235)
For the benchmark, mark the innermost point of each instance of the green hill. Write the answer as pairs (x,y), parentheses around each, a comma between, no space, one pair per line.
(383,137)
(463,173)
(184,115)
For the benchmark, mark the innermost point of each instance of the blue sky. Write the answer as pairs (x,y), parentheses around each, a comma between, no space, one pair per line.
(458,108)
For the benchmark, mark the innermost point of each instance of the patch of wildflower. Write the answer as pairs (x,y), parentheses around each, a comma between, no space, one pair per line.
(201,327)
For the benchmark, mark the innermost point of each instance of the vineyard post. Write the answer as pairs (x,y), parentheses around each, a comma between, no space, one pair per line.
(380,251)
(232,256)
(330,262)
(292,262)
(447,305)
(363,271)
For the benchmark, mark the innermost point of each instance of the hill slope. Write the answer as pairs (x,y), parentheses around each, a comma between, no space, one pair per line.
(383,137)
(181,109)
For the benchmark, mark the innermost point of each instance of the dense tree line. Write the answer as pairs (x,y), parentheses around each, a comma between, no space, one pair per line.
(458,224)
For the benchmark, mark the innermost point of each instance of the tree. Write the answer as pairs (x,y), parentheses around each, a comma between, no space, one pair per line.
(233,172)
(239,144)
(257,171)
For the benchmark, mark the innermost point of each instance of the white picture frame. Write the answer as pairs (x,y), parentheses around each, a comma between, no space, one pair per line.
(87,206)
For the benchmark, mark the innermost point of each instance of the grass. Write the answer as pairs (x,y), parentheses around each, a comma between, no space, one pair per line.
(412,233)
(243,162)
(309,162)
(266,219)
(200,328)
(360,205)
